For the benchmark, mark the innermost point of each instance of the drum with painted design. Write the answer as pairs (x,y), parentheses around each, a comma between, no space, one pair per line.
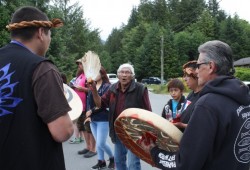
(74,101)
(134,124)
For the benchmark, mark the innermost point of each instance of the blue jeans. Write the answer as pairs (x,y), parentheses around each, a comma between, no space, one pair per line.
(100,132)
(121,160)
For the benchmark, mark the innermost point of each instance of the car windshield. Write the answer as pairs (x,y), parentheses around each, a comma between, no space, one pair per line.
(112,76)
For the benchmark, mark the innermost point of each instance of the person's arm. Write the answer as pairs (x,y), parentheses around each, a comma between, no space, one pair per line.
(180,125)
(146,101)
(163,113)
(162,158)
(80,88)
(52,105)
(61,129)
(104,89)
(96,97)
(192,153)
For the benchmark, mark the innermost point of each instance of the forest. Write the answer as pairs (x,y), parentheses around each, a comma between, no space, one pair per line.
(170,28)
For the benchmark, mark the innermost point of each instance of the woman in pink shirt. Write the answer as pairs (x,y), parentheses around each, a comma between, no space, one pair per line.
(79,85)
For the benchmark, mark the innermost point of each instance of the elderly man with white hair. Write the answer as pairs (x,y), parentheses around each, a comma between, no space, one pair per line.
(126,93)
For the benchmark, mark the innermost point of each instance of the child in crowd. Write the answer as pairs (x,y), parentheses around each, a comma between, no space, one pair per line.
(174,107)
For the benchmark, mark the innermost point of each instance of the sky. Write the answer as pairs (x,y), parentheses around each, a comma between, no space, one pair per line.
(109,14)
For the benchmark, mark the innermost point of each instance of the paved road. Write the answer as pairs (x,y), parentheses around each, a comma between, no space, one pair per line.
(78,162)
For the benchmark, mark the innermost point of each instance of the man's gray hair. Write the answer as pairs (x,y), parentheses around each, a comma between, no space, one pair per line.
(221,54)
(127,65)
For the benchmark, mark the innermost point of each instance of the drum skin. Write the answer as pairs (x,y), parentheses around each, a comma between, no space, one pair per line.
(74,102)
(133,124)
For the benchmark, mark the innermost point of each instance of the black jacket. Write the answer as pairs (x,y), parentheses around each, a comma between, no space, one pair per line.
(216,137)
(25,141)
(134,99)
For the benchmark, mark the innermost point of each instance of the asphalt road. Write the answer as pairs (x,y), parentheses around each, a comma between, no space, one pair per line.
(78,162)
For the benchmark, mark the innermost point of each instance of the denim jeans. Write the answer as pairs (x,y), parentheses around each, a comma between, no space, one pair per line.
(121,153)
(100,132)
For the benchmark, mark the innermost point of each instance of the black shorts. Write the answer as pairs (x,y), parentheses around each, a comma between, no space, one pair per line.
(80,123)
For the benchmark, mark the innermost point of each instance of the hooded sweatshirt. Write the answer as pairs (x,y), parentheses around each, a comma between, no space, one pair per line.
(218,134)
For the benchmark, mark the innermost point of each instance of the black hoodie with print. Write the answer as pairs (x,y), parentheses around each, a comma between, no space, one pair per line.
(218,134)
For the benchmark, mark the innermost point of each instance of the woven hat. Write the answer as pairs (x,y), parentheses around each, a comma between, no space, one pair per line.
(189,69)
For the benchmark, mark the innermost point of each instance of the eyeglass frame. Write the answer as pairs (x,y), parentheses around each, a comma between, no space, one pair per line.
(124,72)
(199,64)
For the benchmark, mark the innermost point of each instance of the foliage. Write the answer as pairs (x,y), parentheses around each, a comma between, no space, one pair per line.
(74,39)
(181,25)
(242,73)
(184,25)
(236,33)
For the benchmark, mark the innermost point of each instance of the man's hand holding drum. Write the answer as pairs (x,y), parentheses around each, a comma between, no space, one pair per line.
(148,146)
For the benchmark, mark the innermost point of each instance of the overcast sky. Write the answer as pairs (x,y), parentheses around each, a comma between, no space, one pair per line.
(109,14)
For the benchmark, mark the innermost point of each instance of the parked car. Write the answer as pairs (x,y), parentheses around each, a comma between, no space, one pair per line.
(247,83)
(112,78)
(152,80)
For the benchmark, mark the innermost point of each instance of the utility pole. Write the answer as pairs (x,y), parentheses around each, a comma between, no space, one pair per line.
(162,60)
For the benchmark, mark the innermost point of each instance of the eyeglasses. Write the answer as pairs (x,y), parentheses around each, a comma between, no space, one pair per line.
(199,64)
(125,72)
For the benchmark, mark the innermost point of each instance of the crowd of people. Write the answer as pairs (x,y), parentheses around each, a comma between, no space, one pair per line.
(214,117)
(215,134)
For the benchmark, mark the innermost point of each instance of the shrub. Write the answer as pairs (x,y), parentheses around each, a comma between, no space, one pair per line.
(242,73)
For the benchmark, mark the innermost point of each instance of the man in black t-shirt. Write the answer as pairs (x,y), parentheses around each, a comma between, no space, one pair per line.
(34,118)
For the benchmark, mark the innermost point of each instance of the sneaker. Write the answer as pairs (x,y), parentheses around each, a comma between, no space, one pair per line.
(99,165)
(90,154)
(75,141)
(81,140)
(111,163)
(82,152)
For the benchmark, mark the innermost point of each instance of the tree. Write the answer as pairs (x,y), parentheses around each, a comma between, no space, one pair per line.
(4,15)
(7,8)
(130,43)
(188,11)
(133,19)
(113,47)
(236,33)
(205,25)
(186,44)
(74,39)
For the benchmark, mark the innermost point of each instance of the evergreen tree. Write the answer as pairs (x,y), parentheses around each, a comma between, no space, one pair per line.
(188,11)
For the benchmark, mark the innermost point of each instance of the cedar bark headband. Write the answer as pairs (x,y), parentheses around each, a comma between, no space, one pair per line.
(189,69)
(55,23)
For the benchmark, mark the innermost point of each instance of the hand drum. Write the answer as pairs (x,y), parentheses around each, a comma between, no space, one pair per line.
(134,125)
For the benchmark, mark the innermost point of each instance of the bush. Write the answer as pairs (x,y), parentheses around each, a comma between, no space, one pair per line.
(242,73)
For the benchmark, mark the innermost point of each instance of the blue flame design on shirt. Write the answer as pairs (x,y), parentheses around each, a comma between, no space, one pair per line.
(7,100)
